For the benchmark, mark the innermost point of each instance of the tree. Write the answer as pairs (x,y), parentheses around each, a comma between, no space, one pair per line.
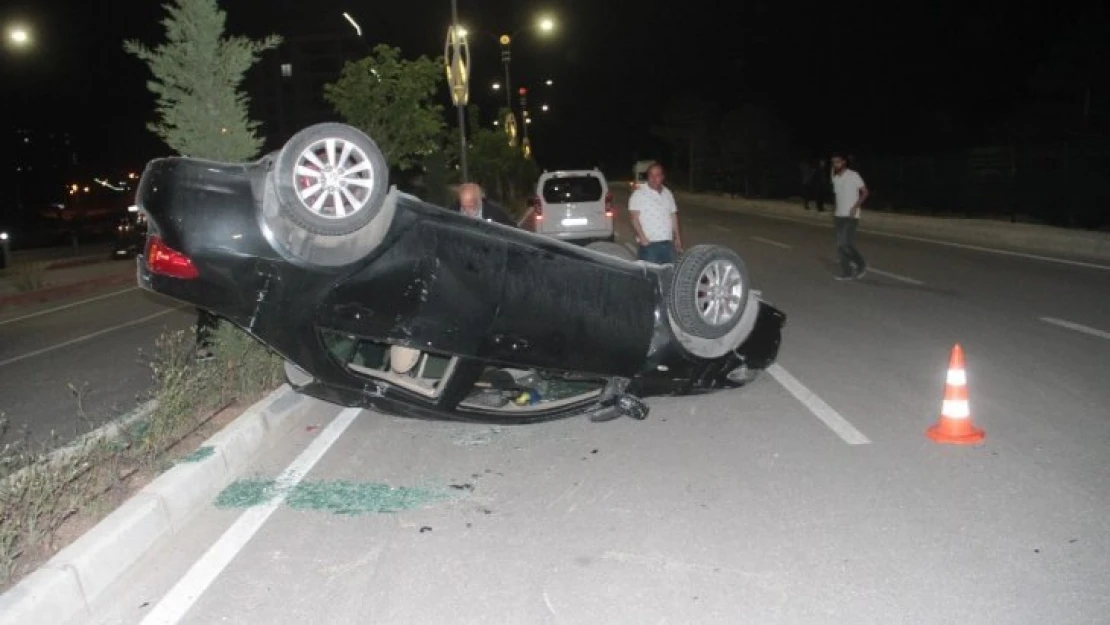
(498,167)
(392,100)
(197,72)
(754,146)
(687,124)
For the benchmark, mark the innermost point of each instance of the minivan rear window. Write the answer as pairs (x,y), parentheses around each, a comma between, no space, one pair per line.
(572,189)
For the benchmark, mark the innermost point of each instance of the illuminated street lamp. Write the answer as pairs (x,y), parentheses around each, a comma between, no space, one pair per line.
(495,86)
(549,82)
(19,36)
(544,108)
(547,24)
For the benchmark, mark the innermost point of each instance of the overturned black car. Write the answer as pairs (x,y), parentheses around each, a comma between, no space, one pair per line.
(377,299)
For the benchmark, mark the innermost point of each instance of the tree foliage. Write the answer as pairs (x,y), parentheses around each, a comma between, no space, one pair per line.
(197,72)
(392,100)
(499,168)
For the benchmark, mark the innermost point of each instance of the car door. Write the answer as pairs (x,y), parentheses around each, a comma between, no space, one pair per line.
(565,308)
(435,287)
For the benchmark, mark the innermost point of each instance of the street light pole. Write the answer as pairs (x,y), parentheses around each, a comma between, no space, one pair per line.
(5,250)
(457,57)
(506,59)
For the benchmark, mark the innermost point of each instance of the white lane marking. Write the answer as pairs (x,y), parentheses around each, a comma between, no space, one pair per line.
(991,250)
(1077,327)
(894,276)
(770,242)
(39,352)
(818,407)
(721,228)
(180,599)
(965,246)
(67,306)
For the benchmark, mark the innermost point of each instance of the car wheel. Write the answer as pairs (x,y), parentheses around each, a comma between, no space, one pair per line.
(298,378)
(331,179)
(709,291)
(611,249)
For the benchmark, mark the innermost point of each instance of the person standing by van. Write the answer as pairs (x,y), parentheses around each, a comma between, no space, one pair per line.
(654,217)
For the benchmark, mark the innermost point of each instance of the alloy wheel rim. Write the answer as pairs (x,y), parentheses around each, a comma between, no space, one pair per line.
(719,292)
(333,178)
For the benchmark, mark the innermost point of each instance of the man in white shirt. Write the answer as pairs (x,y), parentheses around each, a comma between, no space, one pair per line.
(654,217)
(851,193)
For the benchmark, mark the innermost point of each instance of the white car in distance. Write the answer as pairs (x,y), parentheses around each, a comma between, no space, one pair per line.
(571,205)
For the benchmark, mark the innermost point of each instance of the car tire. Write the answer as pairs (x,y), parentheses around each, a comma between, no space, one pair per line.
(331,179)
(709,292)
(298,378)
(611,249)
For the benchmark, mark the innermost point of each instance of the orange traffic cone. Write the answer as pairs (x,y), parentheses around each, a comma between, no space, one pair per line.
(955,426)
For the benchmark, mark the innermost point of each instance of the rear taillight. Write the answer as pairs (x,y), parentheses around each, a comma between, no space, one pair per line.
(609,204)
(538,210)
(164,260)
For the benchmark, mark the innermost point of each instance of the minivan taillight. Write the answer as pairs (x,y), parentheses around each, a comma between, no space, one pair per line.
(609,204)
(535,207)
(164,260)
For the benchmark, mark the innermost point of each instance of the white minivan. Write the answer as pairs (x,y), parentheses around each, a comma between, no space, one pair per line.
(572,206)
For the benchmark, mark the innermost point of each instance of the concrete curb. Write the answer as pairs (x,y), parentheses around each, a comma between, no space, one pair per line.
(1003,236)
(62,290)
(65,587)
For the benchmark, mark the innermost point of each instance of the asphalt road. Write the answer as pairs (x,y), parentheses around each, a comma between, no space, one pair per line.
(738,507)
(70,365)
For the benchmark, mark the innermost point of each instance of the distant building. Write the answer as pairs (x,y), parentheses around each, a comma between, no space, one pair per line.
(286,87)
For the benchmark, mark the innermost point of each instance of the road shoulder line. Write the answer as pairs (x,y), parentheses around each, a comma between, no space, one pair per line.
(180,599)
(774,243)
(895,276)
(68,585)
(830,417)
(883,233)
(81,339)
(1077,327)
(68,306)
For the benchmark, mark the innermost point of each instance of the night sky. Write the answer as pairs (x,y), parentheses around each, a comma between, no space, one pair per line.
(859,75)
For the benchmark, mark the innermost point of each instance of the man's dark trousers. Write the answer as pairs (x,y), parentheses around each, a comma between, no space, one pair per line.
(846,246)
(658,252)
